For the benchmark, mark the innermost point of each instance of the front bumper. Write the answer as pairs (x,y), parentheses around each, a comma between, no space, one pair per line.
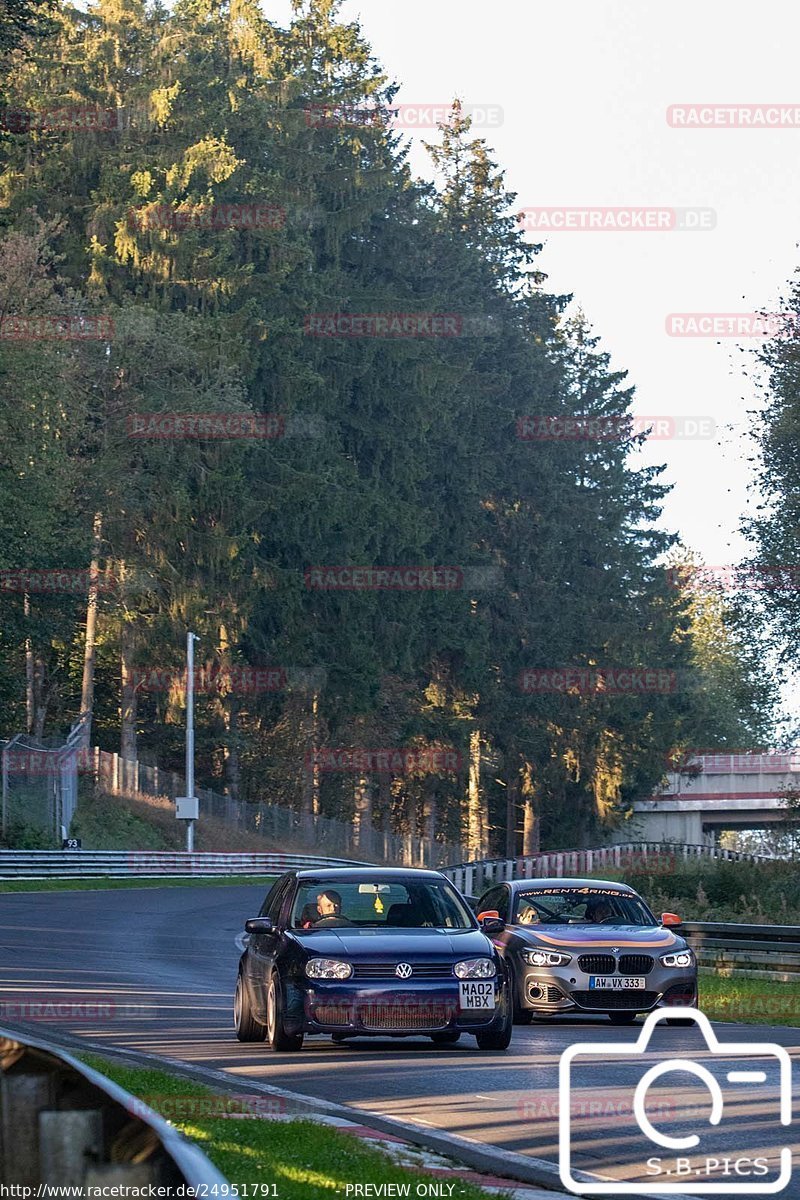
(397,1011)
(567,989)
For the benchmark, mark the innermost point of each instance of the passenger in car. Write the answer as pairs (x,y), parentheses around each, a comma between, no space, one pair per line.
(529,914)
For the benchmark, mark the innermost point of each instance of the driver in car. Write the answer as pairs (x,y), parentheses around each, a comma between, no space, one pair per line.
(328,911)
(599,911)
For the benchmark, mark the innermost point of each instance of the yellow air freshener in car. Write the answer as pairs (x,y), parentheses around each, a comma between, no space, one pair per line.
(378,904)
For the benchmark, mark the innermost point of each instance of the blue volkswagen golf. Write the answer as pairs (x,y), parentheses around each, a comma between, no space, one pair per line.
(370,952)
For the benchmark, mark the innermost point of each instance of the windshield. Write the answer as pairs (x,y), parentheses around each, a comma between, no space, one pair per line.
(380,904)
(580,906)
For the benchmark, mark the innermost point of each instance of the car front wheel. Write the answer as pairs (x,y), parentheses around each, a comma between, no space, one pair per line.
(498,1038)
(522,1016)
(277,1036)
(248,1029)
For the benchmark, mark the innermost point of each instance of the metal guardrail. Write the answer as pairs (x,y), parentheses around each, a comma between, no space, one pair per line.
(122,864)
(724,946)
(474,877)
(62,1124)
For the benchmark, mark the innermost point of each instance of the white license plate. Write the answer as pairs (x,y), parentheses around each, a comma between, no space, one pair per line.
(475,993)
(616,983)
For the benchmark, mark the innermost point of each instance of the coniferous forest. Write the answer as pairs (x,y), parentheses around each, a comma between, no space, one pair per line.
(259,381)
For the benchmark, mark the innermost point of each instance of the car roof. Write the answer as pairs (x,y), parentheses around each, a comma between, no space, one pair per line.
(522,885)
(387,873)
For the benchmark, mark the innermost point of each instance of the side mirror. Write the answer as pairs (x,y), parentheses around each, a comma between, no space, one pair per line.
(490,921)
(670,919)
(258,925)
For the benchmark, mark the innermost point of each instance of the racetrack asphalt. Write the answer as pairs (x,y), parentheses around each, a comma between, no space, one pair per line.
(153,970)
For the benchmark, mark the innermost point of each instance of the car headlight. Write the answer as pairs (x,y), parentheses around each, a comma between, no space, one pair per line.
(328,968)
(681,958)
(546,958)
(475,968)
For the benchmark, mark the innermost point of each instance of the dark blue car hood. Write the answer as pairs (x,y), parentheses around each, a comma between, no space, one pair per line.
(395,944)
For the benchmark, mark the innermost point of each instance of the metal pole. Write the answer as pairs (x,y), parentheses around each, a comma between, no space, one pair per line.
(190,641)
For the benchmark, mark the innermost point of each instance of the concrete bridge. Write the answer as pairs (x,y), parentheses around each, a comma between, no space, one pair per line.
(732,791)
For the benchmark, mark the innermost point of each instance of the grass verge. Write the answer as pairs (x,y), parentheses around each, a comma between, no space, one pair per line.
(107,884)
(753,1001)
(301,1157)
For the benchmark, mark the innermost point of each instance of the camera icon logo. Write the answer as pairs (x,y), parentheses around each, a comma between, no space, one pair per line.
(659,1178)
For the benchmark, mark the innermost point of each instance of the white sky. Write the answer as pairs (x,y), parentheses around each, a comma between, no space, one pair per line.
(584,86)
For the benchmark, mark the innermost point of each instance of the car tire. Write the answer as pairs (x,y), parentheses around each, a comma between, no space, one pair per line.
(522,1016)
(248,1029)
(498,1039)
(447,1037)
(277,1036)
(622,1018)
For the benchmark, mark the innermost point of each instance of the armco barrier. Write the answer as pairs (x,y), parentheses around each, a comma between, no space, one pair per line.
(658,857)
(728,948)
(93,864)
(63,1124)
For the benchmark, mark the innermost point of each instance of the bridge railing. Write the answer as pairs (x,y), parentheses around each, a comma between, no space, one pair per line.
(659,857)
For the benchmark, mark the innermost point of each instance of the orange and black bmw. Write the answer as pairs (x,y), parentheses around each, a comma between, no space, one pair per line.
(585,945)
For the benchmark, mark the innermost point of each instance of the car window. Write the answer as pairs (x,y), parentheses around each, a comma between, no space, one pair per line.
(381,903)
(270,896)
(274,902)
(580,906)
(492,900)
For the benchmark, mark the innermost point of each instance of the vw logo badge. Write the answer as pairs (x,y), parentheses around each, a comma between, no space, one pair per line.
(403,970)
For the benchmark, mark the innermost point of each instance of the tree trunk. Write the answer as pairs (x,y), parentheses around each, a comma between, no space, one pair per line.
(309,798)
(233,771)
(476,821)
(30,705)
(530,828)
(362,814)
(512,799)
(39,701)
(129,695)
(385,807)
(89,654)
(430,818)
